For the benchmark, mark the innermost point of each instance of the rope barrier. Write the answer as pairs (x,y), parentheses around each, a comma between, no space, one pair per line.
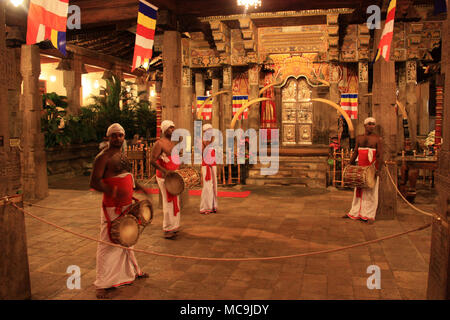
(306,254)
(410,204)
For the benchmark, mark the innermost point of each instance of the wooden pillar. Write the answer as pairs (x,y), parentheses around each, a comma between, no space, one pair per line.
(226,100)
(411,100)
(199,89)
(158,87)
(35,181)
(72,83)
(335,96)
(171,86)
(439,272)
(383,109)
(215,103)
(186,101)
(402,98)
(14,270)
(254,111)
(422,107)
(363,98)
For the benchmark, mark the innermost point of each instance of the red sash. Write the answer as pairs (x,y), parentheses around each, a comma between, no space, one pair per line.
(171,165)
(211,157)
(363,161)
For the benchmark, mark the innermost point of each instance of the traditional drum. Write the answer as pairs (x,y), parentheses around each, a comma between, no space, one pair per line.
(143,211)
(125,230)
(359,177)
(177,181)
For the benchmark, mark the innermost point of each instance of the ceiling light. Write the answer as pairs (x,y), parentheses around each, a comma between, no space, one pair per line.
(249,3)
(16,3)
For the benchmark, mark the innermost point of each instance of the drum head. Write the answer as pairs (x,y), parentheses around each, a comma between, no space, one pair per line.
(146,212)
(128,231)
(370,177)
(174,183)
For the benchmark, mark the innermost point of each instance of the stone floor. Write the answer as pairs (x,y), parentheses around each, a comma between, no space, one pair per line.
(272,221)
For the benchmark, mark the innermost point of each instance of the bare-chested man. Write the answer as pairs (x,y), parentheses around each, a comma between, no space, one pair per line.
(368,149)
(162,160)
(110,175)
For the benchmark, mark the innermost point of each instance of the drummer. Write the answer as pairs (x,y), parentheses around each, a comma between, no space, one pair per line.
(368,149)
(115,266)
(161,159)
(208,202)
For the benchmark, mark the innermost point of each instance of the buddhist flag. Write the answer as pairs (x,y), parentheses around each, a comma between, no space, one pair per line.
(349,102)
(238,102)
(145,34)
(384,47)
(207,108)
(47,20)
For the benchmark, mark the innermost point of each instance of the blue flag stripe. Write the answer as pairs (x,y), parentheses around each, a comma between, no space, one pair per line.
(146,10)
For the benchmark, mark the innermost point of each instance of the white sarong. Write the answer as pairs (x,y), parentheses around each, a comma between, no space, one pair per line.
(365,201)
(208,202)
(171,220)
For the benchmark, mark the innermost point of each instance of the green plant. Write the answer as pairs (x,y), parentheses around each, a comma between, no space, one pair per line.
(53,120)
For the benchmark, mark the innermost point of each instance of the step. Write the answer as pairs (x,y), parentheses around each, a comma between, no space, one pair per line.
(307,182)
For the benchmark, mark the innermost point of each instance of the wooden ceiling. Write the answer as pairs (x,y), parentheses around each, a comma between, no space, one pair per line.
(107,26)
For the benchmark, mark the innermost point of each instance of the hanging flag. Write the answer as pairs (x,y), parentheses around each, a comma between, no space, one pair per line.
(384,47)
(238,102)
(145,34)
(207,108)
(47,20)
(349,102)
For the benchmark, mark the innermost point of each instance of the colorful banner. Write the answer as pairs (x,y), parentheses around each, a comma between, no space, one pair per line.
(384,47)
(47,20)
(349,102)
(238,102)
(145,34)
(207,108)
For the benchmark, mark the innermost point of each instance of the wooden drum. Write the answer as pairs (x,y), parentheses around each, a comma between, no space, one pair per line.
(359,177)
(177,181)
(125,230)
(142,211)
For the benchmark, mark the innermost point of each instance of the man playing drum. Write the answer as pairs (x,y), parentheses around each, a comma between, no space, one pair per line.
(115,266)
(162,160)
(368,149)
(208,202)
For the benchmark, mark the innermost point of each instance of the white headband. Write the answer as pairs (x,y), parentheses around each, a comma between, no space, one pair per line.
(207,126)
(369,120)
(166,124)
(115,128)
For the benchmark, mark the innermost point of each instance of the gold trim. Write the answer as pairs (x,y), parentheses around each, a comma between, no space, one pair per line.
(279,14)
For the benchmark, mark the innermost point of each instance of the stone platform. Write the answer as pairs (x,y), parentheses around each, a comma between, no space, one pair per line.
(270,222)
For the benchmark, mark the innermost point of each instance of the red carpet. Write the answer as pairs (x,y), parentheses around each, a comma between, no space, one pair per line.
(221,194)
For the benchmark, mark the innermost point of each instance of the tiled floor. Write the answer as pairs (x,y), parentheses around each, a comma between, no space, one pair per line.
(272,221)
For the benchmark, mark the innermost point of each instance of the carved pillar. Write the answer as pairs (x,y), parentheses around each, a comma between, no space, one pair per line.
(411,100)
(335,96)
(226,99)
(363,98)
(158,87)
(171,86)
(35,180)
(215,102)
(402,98)
(14,270)
(384,97)
(72,83)
(186,100)
(254,111)
(422,107)
(439,272)
(199,89)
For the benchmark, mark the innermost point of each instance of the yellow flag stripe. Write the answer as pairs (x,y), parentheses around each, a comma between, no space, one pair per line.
(54,38)
(146,21)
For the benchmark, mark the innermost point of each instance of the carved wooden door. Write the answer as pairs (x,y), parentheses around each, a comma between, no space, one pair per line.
(296,113)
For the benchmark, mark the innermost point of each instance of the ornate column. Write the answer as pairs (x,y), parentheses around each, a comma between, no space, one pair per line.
(35,182)
(439,272)
(383,110)
(215,102)
(72,83)
(411,99)
(402,98)
(254,111)
(171,86)
(335,96)
(14,270)
(226,99)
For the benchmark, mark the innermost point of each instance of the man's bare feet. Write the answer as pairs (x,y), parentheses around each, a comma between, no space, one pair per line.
(104,293)
(142,276)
